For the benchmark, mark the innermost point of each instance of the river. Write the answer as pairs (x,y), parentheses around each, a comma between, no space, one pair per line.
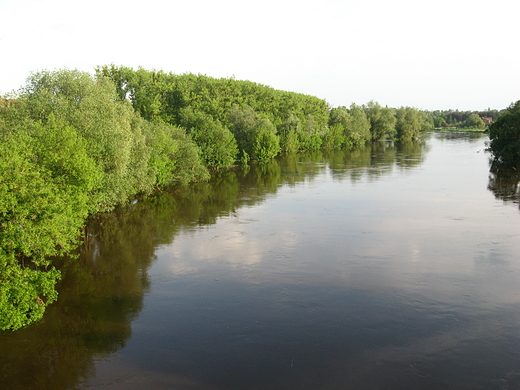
(387,267)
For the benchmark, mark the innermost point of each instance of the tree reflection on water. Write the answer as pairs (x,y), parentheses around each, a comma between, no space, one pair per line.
(102,290)
(505,184)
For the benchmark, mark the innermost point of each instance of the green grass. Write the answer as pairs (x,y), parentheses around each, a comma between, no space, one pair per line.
(472,130)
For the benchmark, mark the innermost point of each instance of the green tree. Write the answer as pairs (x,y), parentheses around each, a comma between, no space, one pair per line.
(474,122)
(46,178)
(265,143)
(24,292)
(288,131)
(357,131)
(44,190)
(164,95)
(309,137)
(339,115)
(427,121)
(504,136)
(243,122)
(109,125)
(334,137)
(174,156)
(439,122)
(513,108)
(409,123)
(382,121)
(216,142)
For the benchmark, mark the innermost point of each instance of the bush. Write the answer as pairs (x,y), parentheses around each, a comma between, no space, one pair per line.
(504,134)
(24,293)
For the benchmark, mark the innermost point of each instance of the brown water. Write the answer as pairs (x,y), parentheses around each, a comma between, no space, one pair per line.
(391,267)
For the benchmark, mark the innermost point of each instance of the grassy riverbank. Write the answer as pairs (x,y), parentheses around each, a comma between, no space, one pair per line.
(467,130)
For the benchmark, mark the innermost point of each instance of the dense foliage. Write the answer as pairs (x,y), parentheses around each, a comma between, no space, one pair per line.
(258,116)
(69,148)
(504,136)
(462,119)
(73,144)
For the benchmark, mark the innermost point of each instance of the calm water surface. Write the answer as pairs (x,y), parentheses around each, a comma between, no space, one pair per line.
(383,268)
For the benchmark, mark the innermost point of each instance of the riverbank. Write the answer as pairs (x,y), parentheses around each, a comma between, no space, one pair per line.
(468,130)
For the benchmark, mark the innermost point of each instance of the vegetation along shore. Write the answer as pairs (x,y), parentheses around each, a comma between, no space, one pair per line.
(74,144)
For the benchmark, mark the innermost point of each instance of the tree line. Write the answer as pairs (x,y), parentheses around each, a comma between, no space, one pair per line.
(462,119)
(262,120)
(73,144)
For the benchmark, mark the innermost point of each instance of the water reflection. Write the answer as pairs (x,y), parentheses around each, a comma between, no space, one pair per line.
(465,136)
(316,270)
(505,184)
(100,294)
(375,161)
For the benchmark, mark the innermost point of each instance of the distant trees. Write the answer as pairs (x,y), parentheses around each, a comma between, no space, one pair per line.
(439,122)
(462,119)
(474,122)
(174,157)
(177,98)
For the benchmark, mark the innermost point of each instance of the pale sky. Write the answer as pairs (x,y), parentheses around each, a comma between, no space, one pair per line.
(460,54)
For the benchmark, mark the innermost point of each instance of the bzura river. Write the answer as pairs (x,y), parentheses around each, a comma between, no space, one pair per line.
(389,267)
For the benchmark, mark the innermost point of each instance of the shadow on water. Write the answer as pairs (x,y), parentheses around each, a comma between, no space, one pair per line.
(102,291)
(504,183)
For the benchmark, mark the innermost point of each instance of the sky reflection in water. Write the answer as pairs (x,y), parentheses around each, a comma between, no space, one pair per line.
(406,277)
(389,268)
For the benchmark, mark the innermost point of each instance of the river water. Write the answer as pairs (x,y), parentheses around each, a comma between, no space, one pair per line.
(388,267)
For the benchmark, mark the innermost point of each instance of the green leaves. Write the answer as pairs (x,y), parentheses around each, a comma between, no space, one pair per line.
(24,293)
(174,156)
(69,147)
(265,142)
(504,134)
(382,121)
(409,123)
(207,107)
(474,122)
(352,123)
(106,123)
(216,142)
(256,136)
(41,208)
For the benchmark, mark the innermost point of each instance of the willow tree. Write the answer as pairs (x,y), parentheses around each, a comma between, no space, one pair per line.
(174,156)
(409,123)
(288,133)
(265,142)
(382,121)
(108,124)
(216,142)
(46,178)
(256,136)
(358,127)
(353,122)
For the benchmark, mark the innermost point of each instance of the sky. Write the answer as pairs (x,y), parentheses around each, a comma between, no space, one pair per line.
(432,55)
